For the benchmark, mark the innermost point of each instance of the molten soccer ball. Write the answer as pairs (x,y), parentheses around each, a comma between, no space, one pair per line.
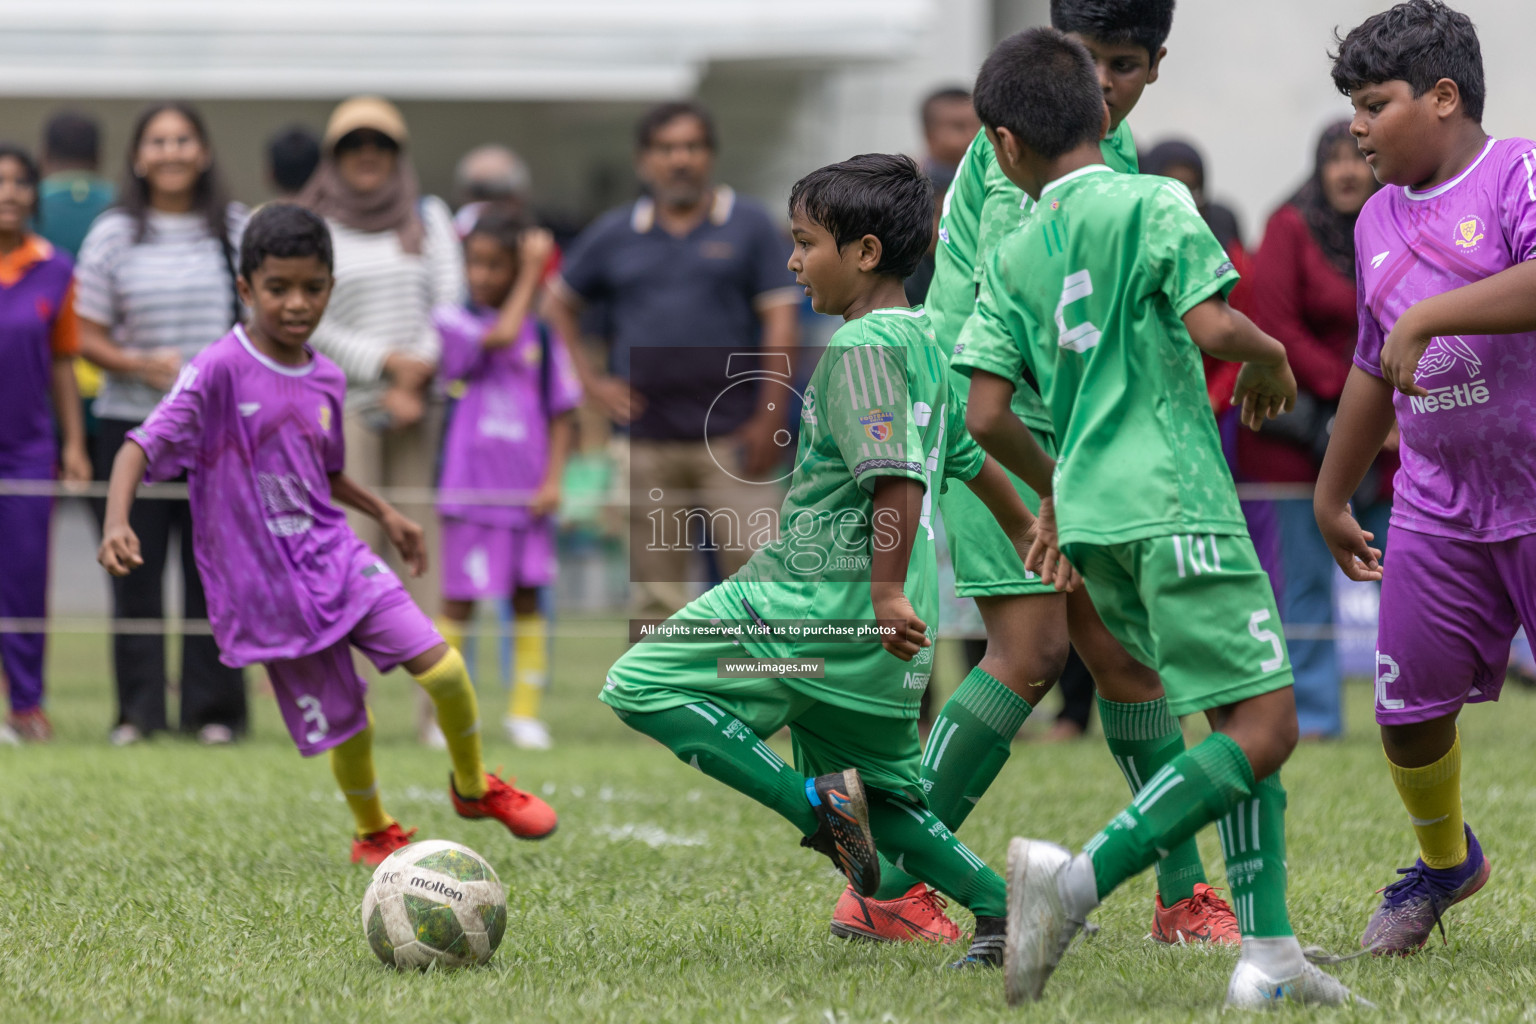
(434,902)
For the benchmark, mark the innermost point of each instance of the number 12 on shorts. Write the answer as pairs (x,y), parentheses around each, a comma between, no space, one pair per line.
(1266,636)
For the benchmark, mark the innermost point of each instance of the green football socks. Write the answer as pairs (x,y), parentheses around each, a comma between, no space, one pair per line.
(721,746)
(1253,841)
(970,742)
(1192,790)
(724,748)
(1143,738)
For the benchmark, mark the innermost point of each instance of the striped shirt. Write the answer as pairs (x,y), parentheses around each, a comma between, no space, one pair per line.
(384,298)
(175,289)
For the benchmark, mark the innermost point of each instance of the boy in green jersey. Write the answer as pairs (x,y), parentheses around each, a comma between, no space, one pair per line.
(880,433)
(1027,622)
(1093,304)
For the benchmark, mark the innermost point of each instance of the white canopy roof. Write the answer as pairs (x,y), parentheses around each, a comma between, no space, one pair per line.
(428,49)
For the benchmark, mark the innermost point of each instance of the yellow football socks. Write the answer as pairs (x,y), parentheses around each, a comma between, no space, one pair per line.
(532,647)
(452,631)
(458,715)
(1432,795)
(352,764)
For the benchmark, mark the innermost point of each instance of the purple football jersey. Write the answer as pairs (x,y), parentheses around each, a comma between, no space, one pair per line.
(1469,447)
(284,574)
(499,437)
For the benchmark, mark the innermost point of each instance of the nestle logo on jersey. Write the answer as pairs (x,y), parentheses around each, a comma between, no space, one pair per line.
(1460,396)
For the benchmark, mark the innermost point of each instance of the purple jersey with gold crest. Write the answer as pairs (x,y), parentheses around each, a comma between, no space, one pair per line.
(284,574)
(1469,447)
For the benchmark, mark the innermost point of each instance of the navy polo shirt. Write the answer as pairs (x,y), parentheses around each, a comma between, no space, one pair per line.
(679,306)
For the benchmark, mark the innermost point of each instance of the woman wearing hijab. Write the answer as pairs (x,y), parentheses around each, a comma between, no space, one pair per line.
(1304,294)
(397,257)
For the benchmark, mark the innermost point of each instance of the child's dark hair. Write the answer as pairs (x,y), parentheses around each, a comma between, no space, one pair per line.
(880,194)
(1143,22)
(1418,42)
(72,137)
(1043,87)
(284,231)
(292,156)
(503,227)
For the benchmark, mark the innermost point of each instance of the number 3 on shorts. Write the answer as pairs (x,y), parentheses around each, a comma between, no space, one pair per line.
(314,716)
(1266,636)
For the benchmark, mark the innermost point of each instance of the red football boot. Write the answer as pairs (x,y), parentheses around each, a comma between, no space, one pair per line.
(917,916)
(524,814)
(1204,917)
(372,848)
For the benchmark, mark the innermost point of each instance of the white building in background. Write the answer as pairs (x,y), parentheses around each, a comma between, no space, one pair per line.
(794,83)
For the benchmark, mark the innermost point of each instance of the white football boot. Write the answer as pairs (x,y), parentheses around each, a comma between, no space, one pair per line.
(1252,989)
(1039,926)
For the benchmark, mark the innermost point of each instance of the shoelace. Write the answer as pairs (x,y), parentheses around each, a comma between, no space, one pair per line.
(1207,901)
(1417,881)
(934,901)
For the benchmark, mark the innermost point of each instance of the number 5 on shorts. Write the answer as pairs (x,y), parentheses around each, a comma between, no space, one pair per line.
(1255,622)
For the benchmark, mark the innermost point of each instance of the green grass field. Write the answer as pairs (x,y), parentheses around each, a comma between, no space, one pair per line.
(173,883)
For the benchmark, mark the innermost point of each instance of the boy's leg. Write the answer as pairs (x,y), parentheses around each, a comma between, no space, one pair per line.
(1447,616)
(1203,611)
(533,567)
(1143,737)
(352,765)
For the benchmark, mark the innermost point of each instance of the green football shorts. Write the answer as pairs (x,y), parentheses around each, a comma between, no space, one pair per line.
(986,563)
(1195,607)
(656,676)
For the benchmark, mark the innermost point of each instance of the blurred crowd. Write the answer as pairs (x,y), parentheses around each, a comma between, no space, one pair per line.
(614,403)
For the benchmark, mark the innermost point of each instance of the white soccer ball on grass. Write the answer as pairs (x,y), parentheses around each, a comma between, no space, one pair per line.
(434,902)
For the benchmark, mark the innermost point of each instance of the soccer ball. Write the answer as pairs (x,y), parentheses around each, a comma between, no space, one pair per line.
(434,902)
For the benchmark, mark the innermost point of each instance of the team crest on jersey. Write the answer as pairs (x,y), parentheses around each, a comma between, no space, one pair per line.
(877,424)
(808,405)
(325,417)
(1469,232)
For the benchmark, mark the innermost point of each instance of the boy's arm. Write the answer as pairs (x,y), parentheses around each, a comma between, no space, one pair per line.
(1265,387)
(1504,303)
(407,537)
(990,419)
(534,249)
(1360,427)
(562,436)
(898,507)
(119,551)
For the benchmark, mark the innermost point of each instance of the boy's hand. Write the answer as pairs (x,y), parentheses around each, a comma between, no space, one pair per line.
(74,466)
(893,609)
(546,500)
(1400,355)
(408,539)
(1264,392)
(1044,554)
(534,250)
(407,371)
(119,551)
(1349,545)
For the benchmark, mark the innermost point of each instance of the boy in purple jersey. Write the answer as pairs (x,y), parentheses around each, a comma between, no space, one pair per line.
(505,451)
(1447,294)
(255,423)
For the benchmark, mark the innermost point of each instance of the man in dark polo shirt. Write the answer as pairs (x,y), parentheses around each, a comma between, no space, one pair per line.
(703,320)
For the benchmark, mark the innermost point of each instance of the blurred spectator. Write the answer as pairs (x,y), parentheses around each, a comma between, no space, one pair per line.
(71,197)
(691,272)
(949,125)
(38,340)
(397,258)
(292,156)
(72,194)
(487,177)
(156,285)
(1181,161)
(1304,294)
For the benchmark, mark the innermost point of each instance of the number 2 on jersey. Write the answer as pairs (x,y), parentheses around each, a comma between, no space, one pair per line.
(1085,335)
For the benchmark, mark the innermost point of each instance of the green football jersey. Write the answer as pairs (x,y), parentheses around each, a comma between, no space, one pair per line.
(980,208)
(879,403)
(1089,298)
